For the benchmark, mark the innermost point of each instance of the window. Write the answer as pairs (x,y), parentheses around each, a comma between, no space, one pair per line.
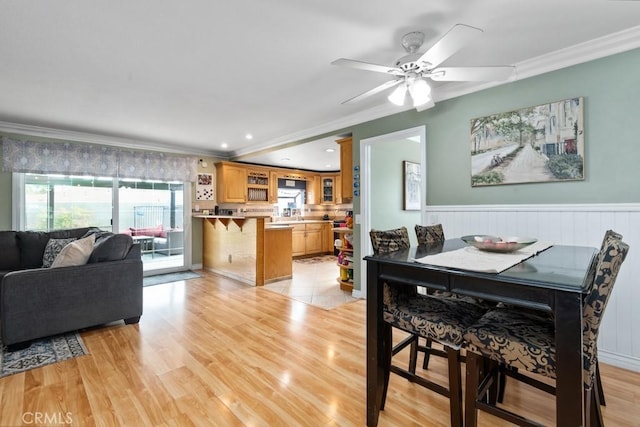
(53,202)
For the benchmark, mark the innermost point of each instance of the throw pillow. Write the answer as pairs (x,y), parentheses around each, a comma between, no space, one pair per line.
(75,253)
(111,248)
(53,248)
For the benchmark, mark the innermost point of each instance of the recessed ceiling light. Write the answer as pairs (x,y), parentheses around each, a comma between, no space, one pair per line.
(224,145)
(248,136)
(330,150)
(327,166)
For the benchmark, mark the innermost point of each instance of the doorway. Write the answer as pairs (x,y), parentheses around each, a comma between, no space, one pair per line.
(393,215)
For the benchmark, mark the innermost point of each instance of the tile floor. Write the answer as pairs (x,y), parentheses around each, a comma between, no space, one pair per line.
(314,282)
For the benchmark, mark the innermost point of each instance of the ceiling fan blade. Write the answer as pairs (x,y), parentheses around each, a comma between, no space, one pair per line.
(471,74)
(367,66)
(373,91)
(450,43)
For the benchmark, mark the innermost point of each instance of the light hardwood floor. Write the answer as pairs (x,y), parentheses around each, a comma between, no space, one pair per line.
(213,352)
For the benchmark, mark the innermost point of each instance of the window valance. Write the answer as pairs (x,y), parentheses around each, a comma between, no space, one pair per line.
(76,158)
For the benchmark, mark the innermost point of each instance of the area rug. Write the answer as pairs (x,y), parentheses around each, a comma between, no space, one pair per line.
(315,259)
(42,352)
(169,277)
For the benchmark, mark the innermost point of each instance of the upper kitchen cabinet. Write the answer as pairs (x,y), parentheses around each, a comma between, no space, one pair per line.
(346,169)
(314,196)
(258,185)
(328,189)
(231,183)
(237,183)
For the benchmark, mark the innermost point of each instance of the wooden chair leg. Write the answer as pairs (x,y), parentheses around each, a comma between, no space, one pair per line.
(455,387)
(427,354)
(596,410)
(472,380)
(413,355)
(387,354)
(599,385)
(502,382)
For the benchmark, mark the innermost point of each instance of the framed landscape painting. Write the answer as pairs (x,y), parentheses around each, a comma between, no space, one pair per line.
(543,143)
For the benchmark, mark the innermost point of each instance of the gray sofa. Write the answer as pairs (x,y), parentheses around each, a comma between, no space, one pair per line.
(36,302)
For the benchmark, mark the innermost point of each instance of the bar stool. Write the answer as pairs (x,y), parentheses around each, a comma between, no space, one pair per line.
(443,320)
(521,340)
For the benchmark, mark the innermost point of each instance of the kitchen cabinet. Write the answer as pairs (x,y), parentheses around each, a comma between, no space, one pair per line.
(327,189)
(257,185)
(306,239)
(231,183)
(298,240)
(338,189)
(236,183)
(346,168)
(273,187)
(313,190)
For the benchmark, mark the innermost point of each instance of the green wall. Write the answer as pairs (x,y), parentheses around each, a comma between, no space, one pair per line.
(611,88)
(386,186)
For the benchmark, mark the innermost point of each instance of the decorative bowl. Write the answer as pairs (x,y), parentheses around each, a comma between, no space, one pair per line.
(498,244)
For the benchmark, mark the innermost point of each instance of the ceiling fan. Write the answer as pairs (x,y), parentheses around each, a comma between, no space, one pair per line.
(411,71)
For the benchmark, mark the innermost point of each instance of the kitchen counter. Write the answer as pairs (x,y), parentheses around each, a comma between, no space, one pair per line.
(302,221)
(245,249)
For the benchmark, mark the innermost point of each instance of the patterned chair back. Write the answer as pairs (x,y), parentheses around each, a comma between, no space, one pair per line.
(429,234)
(609,260)
(389,240)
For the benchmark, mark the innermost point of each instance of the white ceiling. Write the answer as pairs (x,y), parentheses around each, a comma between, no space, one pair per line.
(187,76)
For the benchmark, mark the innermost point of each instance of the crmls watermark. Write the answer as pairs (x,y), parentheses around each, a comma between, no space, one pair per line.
(47,418)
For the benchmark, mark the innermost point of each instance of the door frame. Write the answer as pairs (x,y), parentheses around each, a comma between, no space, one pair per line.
(366,147)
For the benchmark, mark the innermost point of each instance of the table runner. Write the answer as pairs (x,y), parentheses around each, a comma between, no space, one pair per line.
(473,259)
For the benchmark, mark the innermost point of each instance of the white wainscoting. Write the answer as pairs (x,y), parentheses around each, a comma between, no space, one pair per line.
(582,225)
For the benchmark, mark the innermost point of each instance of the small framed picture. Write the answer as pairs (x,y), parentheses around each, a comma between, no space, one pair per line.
(411,183)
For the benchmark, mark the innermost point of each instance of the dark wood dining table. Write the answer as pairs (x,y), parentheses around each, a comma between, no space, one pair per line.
(553,280)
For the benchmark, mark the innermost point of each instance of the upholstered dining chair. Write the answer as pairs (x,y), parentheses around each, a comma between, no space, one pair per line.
(429,234)
(522,340)
(512,372)
(443,320)
(433,235)
(384,241)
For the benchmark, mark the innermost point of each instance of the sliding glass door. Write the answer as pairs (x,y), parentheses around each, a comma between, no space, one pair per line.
(152,212)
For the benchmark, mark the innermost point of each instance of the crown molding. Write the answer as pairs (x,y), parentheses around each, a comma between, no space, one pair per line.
(602,47)
(594,49)
(597,48)
(94,138)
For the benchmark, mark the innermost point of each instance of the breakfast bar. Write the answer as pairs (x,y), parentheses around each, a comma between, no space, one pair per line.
(248,249)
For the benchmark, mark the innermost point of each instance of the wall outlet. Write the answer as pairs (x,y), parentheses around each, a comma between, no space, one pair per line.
(434,219)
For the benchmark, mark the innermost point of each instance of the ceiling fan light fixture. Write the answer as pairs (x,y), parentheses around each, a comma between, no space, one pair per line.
(420,92)
(398,96)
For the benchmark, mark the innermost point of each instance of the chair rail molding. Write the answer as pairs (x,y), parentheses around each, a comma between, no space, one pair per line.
(568,224)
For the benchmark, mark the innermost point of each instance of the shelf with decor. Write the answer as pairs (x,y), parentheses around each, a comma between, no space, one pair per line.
(344,260)
(257,185)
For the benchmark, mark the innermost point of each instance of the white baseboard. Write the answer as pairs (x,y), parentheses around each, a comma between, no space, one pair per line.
(619,360)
